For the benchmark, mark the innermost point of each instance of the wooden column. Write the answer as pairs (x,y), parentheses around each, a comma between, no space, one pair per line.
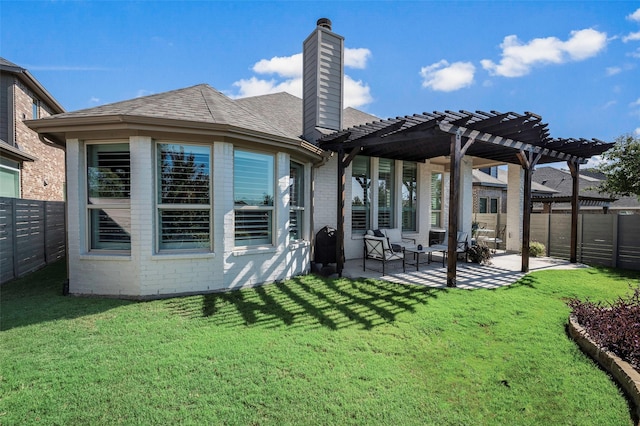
(340,214)
(528,160)
(454,200)
(574,167)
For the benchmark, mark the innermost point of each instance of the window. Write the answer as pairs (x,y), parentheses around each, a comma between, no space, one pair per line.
(9,178)
(253,189)
(35,109)
(436,200)
(409,196)
(296,201)
(108,196)
(361,195)
(386,193)
(487,205)
(183,196)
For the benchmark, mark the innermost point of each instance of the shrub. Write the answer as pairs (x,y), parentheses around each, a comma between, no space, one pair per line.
(537,249)
(615,326)
(480,253)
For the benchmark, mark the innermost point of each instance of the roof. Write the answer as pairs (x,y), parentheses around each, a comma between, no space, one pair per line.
(485,179)
(561,181)
(285,110)
(536,188)
(32,83)
(497,136)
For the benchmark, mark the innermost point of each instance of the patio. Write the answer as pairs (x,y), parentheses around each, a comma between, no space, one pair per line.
(504,270)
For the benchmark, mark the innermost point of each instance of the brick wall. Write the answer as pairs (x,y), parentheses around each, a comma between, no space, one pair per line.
(42,179)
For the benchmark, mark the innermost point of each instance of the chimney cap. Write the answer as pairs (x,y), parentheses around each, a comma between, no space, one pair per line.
(324,23)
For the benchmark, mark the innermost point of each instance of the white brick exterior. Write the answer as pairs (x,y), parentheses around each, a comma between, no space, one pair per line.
(145,272)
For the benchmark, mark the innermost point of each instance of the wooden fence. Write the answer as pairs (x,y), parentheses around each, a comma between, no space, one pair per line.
(603,239)
(32,235)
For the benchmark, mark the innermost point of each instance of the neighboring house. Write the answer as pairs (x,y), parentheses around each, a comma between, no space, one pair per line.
(30,167)
(590,200)
(189,191)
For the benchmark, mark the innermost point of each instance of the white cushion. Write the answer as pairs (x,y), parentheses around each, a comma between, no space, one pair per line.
(394,235)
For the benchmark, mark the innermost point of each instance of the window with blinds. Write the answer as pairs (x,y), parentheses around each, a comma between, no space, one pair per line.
(436,200)
(409,196)
(296,201)
(361,195)
(109,196)
(253,192)
(184,197)
(386,193)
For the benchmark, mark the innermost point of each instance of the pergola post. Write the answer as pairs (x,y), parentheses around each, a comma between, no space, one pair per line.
(340,214)
(574,167)
(528,162)
(454,199)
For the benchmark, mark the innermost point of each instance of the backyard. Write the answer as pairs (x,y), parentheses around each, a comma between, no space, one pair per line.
(306,351)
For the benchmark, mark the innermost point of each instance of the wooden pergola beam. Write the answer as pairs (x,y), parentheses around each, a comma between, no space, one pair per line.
(574,167)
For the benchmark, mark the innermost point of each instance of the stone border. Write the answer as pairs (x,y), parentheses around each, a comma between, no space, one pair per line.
(626,376)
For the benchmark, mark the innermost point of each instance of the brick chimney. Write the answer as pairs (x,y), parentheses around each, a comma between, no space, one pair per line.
(323,76)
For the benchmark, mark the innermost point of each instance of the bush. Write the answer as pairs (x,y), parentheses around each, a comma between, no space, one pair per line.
(615,326)
(480,253)
(537,249)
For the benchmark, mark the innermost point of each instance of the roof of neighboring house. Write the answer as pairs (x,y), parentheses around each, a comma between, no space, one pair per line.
(32,83)
(484,179)
(561,181)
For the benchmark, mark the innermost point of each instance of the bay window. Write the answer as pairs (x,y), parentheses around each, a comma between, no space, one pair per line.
(253,194)
(109,196)
(183,196)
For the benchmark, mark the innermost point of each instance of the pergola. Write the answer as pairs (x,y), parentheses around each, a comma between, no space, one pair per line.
(501,137)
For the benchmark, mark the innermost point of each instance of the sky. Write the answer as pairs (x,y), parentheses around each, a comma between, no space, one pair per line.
(575,63)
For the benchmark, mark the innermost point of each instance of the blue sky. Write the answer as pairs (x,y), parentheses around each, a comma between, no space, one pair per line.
(577,64)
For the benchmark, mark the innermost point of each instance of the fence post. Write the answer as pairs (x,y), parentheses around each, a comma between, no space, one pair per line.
(45,231)
(580,238)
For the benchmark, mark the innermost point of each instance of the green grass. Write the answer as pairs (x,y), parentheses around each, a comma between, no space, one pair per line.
(306,351)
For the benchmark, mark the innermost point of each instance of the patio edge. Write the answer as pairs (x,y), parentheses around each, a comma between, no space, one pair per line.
(623,373)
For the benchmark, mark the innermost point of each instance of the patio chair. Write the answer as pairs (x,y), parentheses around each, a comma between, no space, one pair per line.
(378,248)
(462,245)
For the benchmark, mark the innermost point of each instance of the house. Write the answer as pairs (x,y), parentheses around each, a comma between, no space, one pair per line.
(30,167)
(591,200)
(189,191)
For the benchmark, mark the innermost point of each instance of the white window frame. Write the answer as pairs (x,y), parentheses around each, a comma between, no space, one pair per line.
(13,168)
(271,209)
(89,208)
(168,207)
(299,206)
(438,212)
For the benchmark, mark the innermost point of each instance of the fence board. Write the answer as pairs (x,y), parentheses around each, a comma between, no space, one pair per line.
(32,234)
(559,236)
(540,229)
(629,242)
(596,242)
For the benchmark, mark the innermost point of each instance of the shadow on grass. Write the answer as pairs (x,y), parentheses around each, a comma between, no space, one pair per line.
(528,281)
(38,298)
(309,302)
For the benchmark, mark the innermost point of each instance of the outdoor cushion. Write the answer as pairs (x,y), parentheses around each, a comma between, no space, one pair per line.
(378,233)
(394,235)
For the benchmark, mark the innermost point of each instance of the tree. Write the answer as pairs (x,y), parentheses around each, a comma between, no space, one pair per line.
(621,166)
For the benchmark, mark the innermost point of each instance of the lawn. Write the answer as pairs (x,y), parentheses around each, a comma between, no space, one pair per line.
(306,351)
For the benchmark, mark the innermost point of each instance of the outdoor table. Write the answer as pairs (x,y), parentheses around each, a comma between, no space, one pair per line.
(428,250)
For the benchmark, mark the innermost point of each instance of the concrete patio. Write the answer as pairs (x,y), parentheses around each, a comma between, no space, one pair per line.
(503,270)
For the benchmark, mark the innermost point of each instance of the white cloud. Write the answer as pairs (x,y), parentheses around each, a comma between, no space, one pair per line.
(609,104)
(518,58)
(635,16)
(593,162)
(613,71)
(356,58)
(635,54)
(94,100)
(287,77)
(637,131)
(635,103)
(284,66)
(143,92)
(445,77)
(631,37)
